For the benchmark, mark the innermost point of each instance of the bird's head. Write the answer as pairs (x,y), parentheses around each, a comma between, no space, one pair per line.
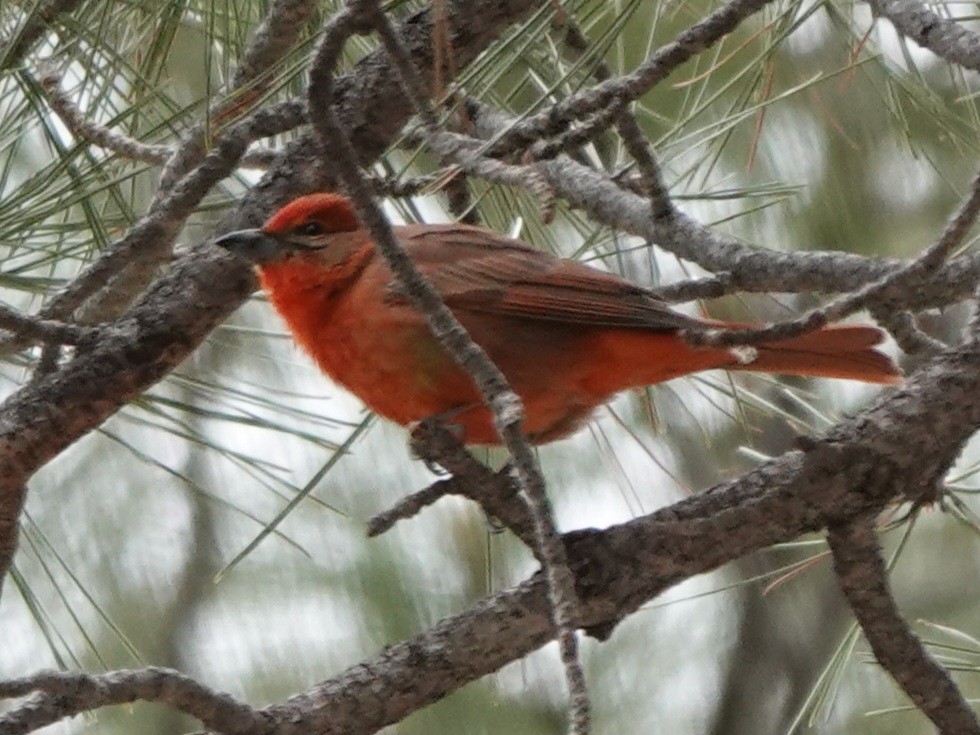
(311,228)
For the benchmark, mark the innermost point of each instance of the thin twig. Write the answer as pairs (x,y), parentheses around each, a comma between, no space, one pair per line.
(494,491)
(906,331)
(123,145)
(459,201)
(863,579)
(712,287)
(272,40)
(906,278)
(609,99)
(504,404)
(453,181)
(651,180)
(152,235)
(28,327)
(409,186)
(411,505)
(61,694)
(465,153)
(13,50)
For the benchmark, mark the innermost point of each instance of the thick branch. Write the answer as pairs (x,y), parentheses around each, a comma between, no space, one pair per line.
(862,466)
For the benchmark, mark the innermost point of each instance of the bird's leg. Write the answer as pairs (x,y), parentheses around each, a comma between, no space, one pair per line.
(495,525)
(436,444)
(433,437)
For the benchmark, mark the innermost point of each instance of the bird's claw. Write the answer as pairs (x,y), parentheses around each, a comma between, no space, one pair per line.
(434,467)
(426,436)
(495,526)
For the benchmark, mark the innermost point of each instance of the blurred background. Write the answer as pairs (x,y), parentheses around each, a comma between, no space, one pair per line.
(216,524)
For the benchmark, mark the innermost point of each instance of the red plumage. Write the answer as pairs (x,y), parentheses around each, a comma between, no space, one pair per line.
(567,336)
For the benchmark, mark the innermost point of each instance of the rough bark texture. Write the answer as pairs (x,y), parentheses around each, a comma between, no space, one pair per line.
(863,465)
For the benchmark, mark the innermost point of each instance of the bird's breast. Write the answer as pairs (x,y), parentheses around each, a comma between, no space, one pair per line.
(384,353)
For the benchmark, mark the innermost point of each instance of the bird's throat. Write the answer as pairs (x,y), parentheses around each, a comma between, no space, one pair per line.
(305,295)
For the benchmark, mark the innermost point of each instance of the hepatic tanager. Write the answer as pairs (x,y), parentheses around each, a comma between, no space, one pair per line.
(567,336)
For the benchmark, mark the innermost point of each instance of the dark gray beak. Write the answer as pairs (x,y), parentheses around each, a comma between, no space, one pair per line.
(253,245)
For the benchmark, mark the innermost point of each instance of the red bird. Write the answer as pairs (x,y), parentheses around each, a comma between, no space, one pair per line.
(568,337)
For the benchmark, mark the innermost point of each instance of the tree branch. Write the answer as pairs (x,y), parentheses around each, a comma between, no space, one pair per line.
(886,290)
(944,37)
(19,45)
(651,181)
(129,148)
(863,579)
(906,331)
(495,492)
(272,40)
(611,98)
(860,467)
(42,330)
(746,268)
(155,231)
(62,694)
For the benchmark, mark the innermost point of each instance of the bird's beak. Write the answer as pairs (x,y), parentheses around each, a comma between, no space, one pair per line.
(253,245)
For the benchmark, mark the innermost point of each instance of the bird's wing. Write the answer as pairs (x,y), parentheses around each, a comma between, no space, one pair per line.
(477,270)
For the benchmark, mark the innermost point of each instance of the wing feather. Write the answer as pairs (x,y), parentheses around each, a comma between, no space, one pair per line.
(480,271)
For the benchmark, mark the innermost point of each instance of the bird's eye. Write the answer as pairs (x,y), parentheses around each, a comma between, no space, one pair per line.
(311,228)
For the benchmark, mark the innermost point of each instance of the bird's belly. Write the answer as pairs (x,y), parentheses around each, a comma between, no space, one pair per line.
(389,359)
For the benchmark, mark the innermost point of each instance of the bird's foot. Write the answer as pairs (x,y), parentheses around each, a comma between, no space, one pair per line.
(435,437)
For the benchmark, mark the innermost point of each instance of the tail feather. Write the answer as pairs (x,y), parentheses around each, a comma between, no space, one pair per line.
(836,338)
(843,351)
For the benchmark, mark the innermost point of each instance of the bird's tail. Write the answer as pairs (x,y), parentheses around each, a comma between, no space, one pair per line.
(641,357)
(838,351)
